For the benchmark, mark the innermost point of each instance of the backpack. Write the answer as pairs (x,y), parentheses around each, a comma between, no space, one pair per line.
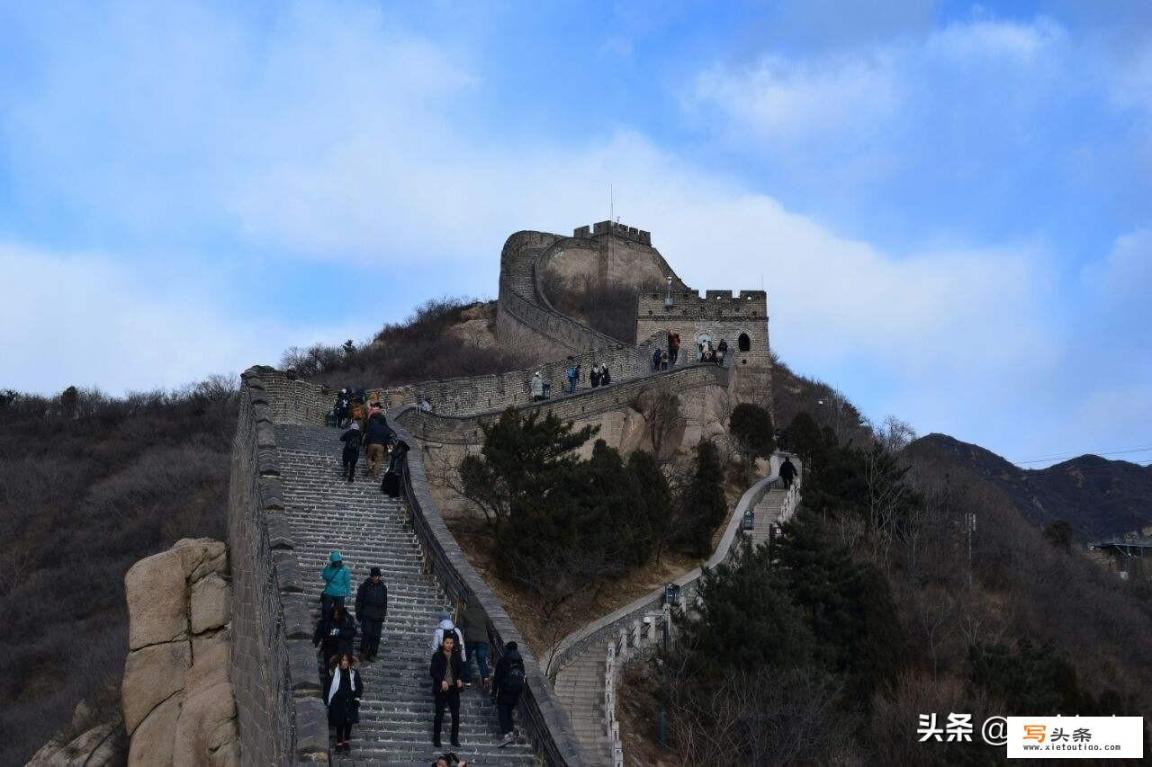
(513,682)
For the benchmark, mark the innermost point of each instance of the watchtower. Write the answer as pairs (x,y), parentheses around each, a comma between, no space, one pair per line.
(741,320)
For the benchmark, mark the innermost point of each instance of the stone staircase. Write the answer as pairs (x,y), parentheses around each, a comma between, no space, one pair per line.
(765,514)
(369,529)
(580,689)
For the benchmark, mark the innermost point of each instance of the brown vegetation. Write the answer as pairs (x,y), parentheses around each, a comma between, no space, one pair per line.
(89,485)
(427,346)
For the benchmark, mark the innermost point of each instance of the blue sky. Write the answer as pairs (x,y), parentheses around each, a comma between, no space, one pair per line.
(947,202)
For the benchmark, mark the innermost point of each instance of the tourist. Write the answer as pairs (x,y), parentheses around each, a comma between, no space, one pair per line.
(605,376)
(447,628)
(594,376)
(344,690)
(474,625)
(358,412)
(537,387)
(572,372)
(335,634)
(446,683)
(673,348)
(506,688)
(337,583)
(664,360)
(390,485)
(351,439)
(787,472)
(371,609)
(425,405)
(377,436)
(340,409)
(656,356)
(721,352)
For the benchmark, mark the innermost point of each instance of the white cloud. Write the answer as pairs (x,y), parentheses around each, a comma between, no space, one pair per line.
(1013,42)
(339,136)
(81,319)
(784,101)
(1121,283)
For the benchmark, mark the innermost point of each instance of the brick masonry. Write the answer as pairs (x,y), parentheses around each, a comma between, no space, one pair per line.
(282,719)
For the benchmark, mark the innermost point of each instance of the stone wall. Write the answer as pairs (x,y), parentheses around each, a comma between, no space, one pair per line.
(586,403)
(717,314)
(281,714)
(541,716)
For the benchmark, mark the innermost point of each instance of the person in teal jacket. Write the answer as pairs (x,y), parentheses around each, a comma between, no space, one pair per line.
(337,584)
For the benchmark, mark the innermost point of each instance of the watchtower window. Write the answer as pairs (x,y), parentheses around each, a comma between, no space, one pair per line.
(744,342)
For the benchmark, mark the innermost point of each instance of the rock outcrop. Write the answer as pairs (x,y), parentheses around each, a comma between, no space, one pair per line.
(177,698)
(99,745)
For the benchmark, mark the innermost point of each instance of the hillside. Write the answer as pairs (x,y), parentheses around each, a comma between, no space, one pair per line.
(89,484)
(1097,497)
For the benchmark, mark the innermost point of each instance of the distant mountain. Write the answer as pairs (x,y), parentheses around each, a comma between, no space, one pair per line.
(1097,497)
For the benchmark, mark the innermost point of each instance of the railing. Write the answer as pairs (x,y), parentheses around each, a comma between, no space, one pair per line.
(624,630)
(543,717)
(627,643)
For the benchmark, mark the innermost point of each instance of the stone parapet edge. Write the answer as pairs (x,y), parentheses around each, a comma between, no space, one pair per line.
(546,720)
(299,691)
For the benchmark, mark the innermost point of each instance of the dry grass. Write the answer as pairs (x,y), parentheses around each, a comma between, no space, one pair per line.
(476,542)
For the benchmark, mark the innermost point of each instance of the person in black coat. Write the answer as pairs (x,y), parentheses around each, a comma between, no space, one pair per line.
(371,609)
(787,472)
(351,440)
(377,436)
(447,681)
(390,485)
(335,634)
(342,693)
(507,684)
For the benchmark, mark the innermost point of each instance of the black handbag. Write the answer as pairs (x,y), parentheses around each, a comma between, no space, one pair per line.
(354,711)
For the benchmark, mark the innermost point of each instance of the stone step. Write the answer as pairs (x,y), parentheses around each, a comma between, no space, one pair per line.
(370,529)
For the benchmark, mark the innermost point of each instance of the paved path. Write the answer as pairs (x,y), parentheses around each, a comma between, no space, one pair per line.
(368,528)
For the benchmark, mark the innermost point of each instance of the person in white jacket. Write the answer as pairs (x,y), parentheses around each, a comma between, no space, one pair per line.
(446,624)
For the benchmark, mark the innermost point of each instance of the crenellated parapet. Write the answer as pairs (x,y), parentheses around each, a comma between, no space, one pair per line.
(623,231)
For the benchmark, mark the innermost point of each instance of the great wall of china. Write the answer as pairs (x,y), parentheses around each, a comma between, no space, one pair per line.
(283,513)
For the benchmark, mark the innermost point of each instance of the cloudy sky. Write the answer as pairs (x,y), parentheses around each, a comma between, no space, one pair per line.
(950,204)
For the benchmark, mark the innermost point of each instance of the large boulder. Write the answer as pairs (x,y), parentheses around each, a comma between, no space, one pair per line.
(154,737)
(177,693)
(156,589)
(211,603)
(206,731)
(152,675)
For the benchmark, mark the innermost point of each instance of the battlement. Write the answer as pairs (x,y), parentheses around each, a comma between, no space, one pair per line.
(622,231)
(748,302)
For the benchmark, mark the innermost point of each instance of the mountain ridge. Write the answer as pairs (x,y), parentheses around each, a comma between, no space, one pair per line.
(1097,496)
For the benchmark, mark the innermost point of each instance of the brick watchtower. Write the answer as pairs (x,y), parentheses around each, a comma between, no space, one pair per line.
(741,320)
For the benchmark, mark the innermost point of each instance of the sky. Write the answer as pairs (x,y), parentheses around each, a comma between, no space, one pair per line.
(949,204)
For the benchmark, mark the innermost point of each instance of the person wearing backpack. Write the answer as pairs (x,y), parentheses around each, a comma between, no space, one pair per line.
(351,440)
(377,436)
(507,685)
(447,628)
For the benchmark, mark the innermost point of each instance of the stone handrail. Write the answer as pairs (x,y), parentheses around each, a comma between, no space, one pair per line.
(545,720)
(282,719)
(453,429)
(643,630)
(599,630)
